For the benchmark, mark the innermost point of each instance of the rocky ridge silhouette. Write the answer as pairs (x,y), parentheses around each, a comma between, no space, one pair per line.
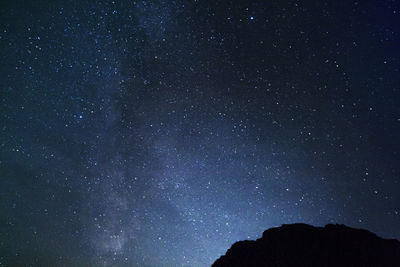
(306,245)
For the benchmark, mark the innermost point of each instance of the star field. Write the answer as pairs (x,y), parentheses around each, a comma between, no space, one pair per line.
(158,133)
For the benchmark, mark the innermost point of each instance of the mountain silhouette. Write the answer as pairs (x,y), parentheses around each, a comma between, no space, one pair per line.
(306,245)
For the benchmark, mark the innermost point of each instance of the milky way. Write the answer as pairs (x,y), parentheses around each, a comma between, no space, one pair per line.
(158,133)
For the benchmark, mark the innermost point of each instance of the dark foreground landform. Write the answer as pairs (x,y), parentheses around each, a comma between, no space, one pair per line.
(306,245)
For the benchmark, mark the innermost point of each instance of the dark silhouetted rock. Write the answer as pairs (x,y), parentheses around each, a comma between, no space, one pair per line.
(306,245)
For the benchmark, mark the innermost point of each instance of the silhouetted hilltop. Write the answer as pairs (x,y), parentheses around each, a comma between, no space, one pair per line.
(306,245)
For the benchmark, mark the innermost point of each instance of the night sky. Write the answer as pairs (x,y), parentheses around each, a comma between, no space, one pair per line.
(158,133)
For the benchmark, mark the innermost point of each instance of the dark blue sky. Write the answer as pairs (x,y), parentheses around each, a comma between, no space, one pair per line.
(158,133)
